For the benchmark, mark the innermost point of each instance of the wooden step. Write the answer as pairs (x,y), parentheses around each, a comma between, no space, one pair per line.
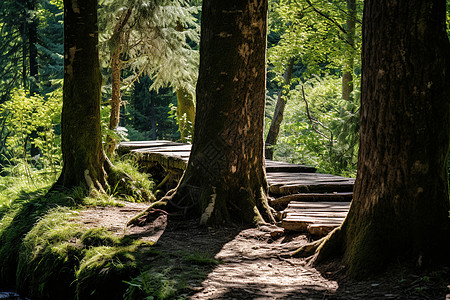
(279,166)
(282,202)
(317,218)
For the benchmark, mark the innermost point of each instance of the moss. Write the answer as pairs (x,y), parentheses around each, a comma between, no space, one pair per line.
(187,269)
(49,253)
(96,237)
(103,268)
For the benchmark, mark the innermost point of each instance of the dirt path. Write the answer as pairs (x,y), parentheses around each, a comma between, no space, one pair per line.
(251,266)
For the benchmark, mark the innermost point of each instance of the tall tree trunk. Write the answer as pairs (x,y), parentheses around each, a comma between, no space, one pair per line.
(274,130)
(32,41)
(116,65)
(83,156)
(185,113)
(225,177)
(23,29)
(400,207)
(349,56)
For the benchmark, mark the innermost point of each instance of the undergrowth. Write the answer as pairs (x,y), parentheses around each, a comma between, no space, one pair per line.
(47,253)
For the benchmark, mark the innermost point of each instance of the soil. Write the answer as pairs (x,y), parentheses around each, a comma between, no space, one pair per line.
(253,264)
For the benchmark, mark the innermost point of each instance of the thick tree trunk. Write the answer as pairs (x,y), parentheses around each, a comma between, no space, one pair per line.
(83,156)
(274,130)
(225,178)
(349,56)
(185,113)
(400,207)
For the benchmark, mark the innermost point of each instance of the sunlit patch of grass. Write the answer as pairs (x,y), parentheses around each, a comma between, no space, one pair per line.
(162,282)
(23,184)
(142,184)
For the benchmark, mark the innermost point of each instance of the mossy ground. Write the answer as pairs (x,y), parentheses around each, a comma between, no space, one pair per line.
(48,251)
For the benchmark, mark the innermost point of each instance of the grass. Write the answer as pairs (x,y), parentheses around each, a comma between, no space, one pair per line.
(170,276)
(46,253)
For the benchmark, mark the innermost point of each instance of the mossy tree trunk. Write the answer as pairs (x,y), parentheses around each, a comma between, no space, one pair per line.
(83,156)
(274,130)
(225,178)
(400,207)
(185,113)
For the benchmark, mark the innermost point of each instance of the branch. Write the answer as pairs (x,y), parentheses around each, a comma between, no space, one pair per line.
(314,121)
(329,19)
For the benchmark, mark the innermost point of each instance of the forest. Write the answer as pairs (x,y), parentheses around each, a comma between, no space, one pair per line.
(168,149)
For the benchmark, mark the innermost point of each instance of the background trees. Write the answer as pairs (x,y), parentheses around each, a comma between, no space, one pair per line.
(321,122)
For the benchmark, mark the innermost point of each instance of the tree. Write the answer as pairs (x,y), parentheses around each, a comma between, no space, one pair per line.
(278,114)
(349,56)
(225,177)
(150,38)
(83,156)
(401,206)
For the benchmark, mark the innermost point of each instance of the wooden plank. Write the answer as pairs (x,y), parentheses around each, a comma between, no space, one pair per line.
(314,214)
(297,183)
(126,147)
(282,202)
(318,205)
(166,160)
(279,166)
(172,148)
(309,219)
(317,218)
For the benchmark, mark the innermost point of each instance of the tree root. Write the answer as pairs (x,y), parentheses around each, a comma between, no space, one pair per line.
(322,249)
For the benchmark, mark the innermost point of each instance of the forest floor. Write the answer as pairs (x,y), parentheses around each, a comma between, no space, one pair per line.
(250,264)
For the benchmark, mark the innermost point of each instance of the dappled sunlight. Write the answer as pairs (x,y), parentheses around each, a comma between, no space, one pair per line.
(252,268)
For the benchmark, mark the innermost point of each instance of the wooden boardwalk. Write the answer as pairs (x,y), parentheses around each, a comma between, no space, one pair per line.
(308,201)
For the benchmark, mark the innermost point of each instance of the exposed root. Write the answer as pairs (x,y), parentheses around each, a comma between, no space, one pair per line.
(322,249)
(149,216)
(307,250)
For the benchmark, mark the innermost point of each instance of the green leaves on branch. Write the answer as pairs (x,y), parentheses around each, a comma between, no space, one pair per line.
(320,128)
(32,120)
(159,40)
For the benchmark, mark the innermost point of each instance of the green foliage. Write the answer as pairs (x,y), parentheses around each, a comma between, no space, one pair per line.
(153,285)
(158,37)
(32,120)
(129,165)
(147,113)
(448,17)
(20,179)
(162,282)
(312,32)
(48,253)
(22,22)
(328,137)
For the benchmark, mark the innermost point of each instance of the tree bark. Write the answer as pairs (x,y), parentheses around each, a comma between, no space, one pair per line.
(185,113)
(349,56)
(225,178)
(32,40)
(274,130)
(116,65)
(83,156)
(400,208)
